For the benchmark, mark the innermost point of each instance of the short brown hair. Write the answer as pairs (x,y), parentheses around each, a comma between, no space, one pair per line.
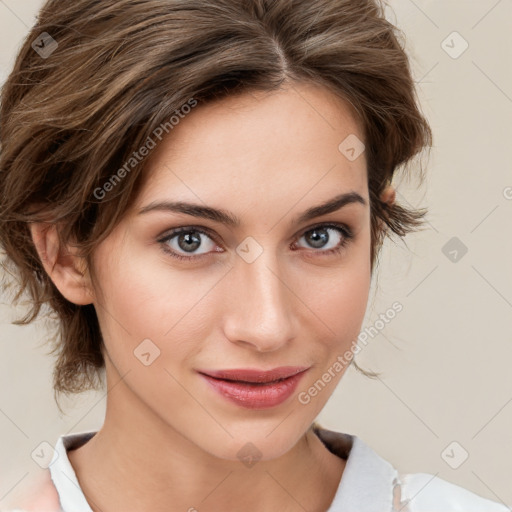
(121,68)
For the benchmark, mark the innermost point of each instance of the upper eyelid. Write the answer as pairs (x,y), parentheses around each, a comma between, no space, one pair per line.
(171,233)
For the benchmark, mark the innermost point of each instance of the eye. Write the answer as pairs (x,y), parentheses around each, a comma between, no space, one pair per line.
(187,240)
(330,238)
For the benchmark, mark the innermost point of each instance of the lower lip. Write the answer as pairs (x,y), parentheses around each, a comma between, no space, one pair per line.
(255,396)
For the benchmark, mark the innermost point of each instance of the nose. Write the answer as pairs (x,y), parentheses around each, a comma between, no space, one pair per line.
(259,312)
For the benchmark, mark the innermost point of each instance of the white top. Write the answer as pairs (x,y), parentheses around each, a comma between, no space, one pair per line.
(368,484)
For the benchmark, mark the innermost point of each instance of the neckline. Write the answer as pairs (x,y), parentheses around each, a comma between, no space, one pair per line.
(364,469)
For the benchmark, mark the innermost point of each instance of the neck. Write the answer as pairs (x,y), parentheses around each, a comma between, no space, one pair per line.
(138,462)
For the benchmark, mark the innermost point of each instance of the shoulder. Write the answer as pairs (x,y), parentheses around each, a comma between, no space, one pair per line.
(38,494)
(424,492)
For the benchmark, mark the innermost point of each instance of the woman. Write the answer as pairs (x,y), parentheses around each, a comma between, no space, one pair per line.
(199,190)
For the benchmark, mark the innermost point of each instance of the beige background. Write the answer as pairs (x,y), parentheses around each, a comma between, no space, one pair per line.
(445,359)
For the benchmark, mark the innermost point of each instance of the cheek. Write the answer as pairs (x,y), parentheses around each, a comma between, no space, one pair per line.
(145,298)
(345,303)
(338,296)
(339,303)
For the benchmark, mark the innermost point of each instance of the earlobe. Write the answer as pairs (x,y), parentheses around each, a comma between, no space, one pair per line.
(66,269)
(388,195)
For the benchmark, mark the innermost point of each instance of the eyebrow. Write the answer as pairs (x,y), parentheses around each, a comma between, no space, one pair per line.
(227,218)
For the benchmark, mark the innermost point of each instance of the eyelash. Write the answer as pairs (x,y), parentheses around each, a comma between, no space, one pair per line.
(345,231)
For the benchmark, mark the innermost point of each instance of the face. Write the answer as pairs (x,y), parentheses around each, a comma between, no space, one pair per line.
(185,292)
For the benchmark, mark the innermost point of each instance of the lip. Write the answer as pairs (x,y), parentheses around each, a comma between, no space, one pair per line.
(254,388)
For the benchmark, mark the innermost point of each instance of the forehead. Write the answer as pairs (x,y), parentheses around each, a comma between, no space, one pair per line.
(258,145)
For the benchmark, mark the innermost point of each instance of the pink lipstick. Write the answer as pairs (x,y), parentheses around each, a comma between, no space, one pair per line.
(253,388)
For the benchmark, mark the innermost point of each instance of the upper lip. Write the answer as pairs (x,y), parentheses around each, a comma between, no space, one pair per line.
(254,374)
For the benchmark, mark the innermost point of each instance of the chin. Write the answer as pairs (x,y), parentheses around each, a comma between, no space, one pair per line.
(256,443)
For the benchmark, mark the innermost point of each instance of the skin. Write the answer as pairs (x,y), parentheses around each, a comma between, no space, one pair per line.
(168,440)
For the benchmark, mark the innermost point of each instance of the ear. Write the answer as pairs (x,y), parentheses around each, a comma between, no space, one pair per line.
(388,195)
(66,269)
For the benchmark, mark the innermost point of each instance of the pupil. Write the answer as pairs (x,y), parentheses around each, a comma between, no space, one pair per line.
(319,237)
(190,240)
